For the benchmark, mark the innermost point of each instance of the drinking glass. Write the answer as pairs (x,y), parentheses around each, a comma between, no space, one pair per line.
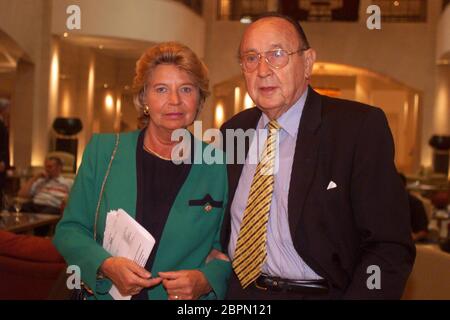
(17,206)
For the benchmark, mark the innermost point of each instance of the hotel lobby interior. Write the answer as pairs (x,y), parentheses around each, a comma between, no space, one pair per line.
(67,69)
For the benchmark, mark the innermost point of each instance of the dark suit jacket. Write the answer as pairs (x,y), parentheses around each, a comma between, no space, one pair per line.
(419,219)
(364,221)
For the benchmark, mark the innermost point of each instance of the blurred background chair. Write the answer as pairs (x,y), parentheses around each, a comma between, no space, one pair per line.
(29,266)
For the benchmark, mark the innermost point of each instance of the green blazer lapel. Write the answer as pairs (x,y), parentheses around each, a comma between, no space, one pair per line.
(121,186)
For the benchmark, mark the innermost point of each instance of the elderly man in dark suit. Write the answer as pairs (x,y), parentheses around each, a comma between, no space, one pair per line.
(323,214)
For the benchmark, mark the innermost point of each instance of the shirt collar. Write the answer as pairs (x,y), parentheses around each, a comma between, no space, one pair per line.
(290,120)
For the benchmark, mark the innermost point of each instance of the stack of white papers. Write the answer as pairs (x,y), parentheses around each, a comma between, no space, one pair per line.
(125,237)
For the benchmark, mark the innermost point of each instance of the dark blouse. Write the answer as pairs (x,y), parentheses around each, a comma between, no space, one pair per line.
(158,183)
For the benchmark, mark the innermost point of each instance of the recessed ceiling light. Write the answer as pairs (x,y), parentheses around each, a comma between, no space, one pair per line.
(65,34)
(396,3)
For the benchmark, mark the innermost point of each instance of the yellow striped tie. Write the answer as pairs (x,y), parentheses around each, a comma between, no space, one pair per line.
(250,252)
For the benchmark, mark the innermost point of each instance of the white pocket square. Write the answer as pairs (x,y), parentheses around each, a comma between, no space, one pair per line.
(331,185)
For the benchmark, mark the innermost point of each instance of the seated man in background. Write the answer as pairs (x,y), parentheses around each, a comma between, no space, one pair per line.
(48,190)
(419,219)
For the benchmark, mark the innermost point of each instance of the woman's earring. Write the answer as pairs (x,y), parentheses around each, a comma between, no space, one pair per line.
(146,110)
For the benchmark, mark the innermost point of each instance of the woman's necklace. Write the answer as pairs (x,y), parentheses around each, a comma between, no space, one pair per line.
(155,153)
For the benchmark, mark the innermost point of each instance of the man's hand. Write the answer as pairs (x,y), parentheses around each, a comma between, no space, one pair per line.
(185,284)
(127,276)
(25,190)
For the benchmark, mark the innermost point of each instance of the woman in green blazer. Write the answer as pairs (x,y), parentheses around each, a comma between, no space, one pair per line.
(181,205)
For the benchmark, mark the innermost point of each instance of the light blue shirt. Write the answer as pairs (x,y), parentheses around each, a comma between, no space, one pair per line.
(282,258)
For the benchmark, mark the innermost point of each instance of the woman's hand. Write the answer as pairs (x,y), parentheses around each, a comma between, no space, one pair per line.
(185,284)
(127,276)
(216,254)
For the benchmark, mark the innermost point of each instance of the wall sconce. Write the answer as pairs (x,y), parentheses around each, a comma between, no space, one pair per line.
(219,115)
(109,102)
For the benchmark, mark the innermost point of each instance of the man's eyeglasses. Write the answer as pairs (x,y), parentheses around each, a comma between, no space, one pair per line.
(277,59)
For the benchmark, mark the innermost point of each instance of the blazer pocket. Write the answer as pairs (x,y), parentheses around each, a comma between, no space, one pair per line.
(207,199)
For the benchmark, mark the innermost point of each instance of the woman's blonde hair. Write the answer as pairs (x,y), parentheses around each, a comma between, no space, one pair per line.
(171,53)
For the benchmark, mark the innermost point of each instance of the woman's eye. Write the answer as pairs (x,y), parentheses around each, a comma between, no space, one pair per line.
(186,89)
(161,89)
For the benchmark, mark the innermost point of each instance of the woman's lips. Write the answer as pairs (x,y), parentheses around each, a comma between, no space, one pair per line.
(174,115)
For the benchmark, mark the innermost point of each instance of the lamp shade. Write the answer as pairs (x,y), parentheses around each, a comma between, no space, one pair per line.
(67,126)
(440,142)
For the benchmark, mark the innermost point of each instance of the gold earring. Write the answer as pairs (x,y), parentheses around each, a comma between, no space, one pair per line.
(146,110)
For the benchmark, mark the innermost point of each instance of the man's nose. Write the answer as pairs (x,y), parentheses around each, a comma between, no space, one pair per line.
(263,69)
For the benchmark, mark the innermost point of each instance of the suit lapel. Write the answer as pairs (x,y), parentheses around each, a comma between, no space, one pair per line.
(305,158)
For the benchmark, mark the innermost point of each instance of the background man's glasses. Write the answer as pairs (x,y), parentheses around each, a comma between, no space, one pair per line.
(277,59)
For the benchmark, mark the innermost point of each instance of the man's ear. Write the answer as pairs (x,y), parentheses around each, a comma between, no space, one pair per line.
(310,59)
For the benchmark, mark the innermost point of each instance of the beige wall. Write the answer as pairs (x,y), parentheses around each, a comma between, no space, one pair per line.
(76,92)
(7,83)
(22,21)
(443,35)
(148,20)
(402,51)
(78,98)
(27,23)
